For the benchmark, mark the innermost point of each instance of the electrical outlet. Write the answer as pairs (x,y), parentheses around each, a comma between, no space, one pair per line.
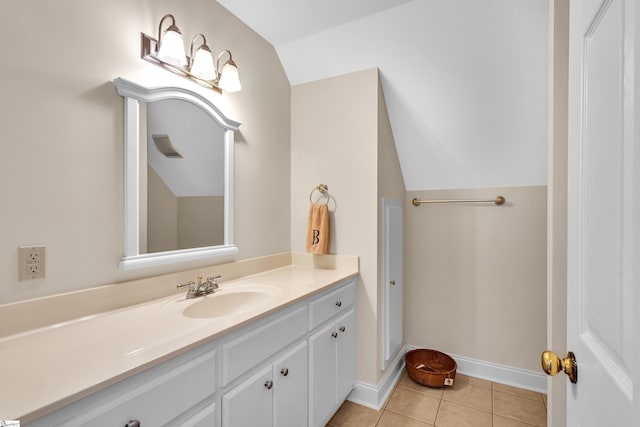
(31,262)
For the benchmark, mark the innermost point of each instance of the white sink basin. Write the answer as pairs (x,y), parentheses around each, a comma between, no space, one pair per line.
(224,302)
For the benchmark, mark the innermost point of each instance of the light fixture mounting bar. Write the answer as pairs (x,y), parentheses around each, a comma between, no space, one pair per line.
(147,52)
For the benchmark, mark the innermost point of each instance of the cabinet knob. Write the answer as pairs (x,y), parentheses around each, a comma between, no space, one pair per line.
(342,329)
(393,282)
(338,303)
(334,334)
(268,385)
(284,371)
(132,423)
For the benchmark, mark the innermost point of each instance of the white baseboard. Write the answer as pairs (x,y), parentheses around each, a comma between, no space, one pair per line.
(374,396)
(516,377)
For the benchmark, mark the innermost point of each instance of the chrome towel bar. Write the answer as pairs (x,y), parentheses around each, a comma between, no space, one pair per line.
(499,200)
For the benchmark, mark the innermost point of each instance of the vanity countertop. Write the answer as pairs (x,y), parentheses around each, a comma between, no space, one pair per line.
(50,367)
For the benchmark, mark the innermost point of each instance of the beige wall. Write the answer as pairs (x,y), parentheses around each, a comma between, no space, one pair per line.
(334,140)
(162,226)
(557,202)
(196,214)
(181,222)
(390,181)
(62,133)
(475,282)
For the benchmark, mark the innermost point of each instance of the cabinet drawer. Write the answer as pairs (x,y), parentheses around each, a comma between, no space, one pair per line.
(252,347)
(154,397)
(331,304)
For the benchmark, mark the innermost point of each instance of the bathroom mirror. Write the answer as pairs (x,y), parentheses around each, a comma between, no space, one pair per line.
(178,176)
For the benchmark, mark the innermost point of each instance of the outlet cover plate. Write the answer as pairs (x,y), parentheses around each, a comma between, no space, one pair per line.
(31,262)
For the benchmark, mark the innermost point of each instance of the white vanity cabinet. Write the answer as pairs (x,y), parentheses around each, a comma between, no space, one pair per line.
(274,353)
(346,355)
(250,403)
(290,368)
(180,392)
(306,382)
(332,354)
(276,395)
(291,382)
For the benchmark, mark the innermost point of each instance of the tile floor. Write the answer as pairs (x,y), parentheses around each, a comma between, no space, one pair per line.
(470,402)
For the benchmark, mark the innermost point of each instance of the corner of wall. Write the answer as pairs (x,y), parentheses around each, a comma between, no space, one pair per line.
(390,178)
(340,115)
(390,185)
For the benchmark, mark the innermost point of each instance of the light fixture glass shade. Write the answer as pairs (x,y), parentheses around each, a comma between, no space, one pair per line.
(229,79)
(172,48)
(203,67)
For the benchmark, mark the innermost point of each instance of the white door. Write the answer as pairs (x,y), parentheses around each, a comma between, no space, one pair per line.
(392,280)
(291,378)
(603,312)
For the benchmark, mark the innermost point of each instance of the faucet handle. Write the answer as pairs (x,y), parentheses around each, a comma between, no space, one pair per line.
(192,290)
(190,283)
(212,280)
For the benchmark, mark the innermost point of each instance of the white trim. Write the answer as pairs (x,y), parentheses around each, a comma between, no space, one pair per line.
(131,176)
(374,396)
(133,94)
(388,354)
(516,377)
(169,257)
(129,89)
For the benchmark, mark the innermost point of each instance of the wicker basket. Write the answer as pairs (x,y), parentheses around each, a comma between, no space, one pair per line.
(430,368)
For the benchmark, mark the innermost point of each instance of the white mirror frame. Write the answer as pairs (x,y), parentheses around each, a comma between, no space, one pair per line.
(133,94)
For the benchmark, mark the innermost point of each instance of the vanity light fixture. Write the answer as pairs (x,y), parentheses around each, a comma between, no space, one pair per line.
(229,80)
(168,52)
(171,48)
(202,62)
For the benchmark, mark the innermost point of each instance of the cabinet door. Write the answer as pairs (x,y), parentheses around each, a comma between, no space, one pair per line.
(291,389)
(392,281)
(153,397)
(250,403)
(322,374)
(346,354)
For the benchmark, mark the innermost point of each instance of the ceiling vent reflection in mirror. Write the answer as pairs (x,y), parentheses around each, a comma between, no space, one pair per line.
(164,145)
(168,52)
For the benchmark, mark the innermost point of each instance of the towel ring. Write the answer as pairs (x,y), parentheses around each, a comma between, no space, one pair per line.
(323,189)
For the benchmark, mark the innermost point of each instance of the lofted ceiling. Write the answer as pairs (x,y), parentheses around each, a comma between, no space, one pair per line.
(281,21)
(465,81)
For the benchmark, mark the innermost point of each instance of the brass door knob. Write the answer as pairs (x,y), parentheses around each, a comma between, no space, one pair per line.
(552,364)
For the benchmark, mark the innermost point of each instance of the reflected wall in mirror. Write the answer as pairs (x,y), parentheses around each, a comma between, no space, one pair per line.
(178,176)
(185,178)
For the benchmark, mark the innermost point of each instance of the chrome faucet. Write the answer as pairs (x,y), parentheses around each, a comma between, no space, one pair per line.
(201,288)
